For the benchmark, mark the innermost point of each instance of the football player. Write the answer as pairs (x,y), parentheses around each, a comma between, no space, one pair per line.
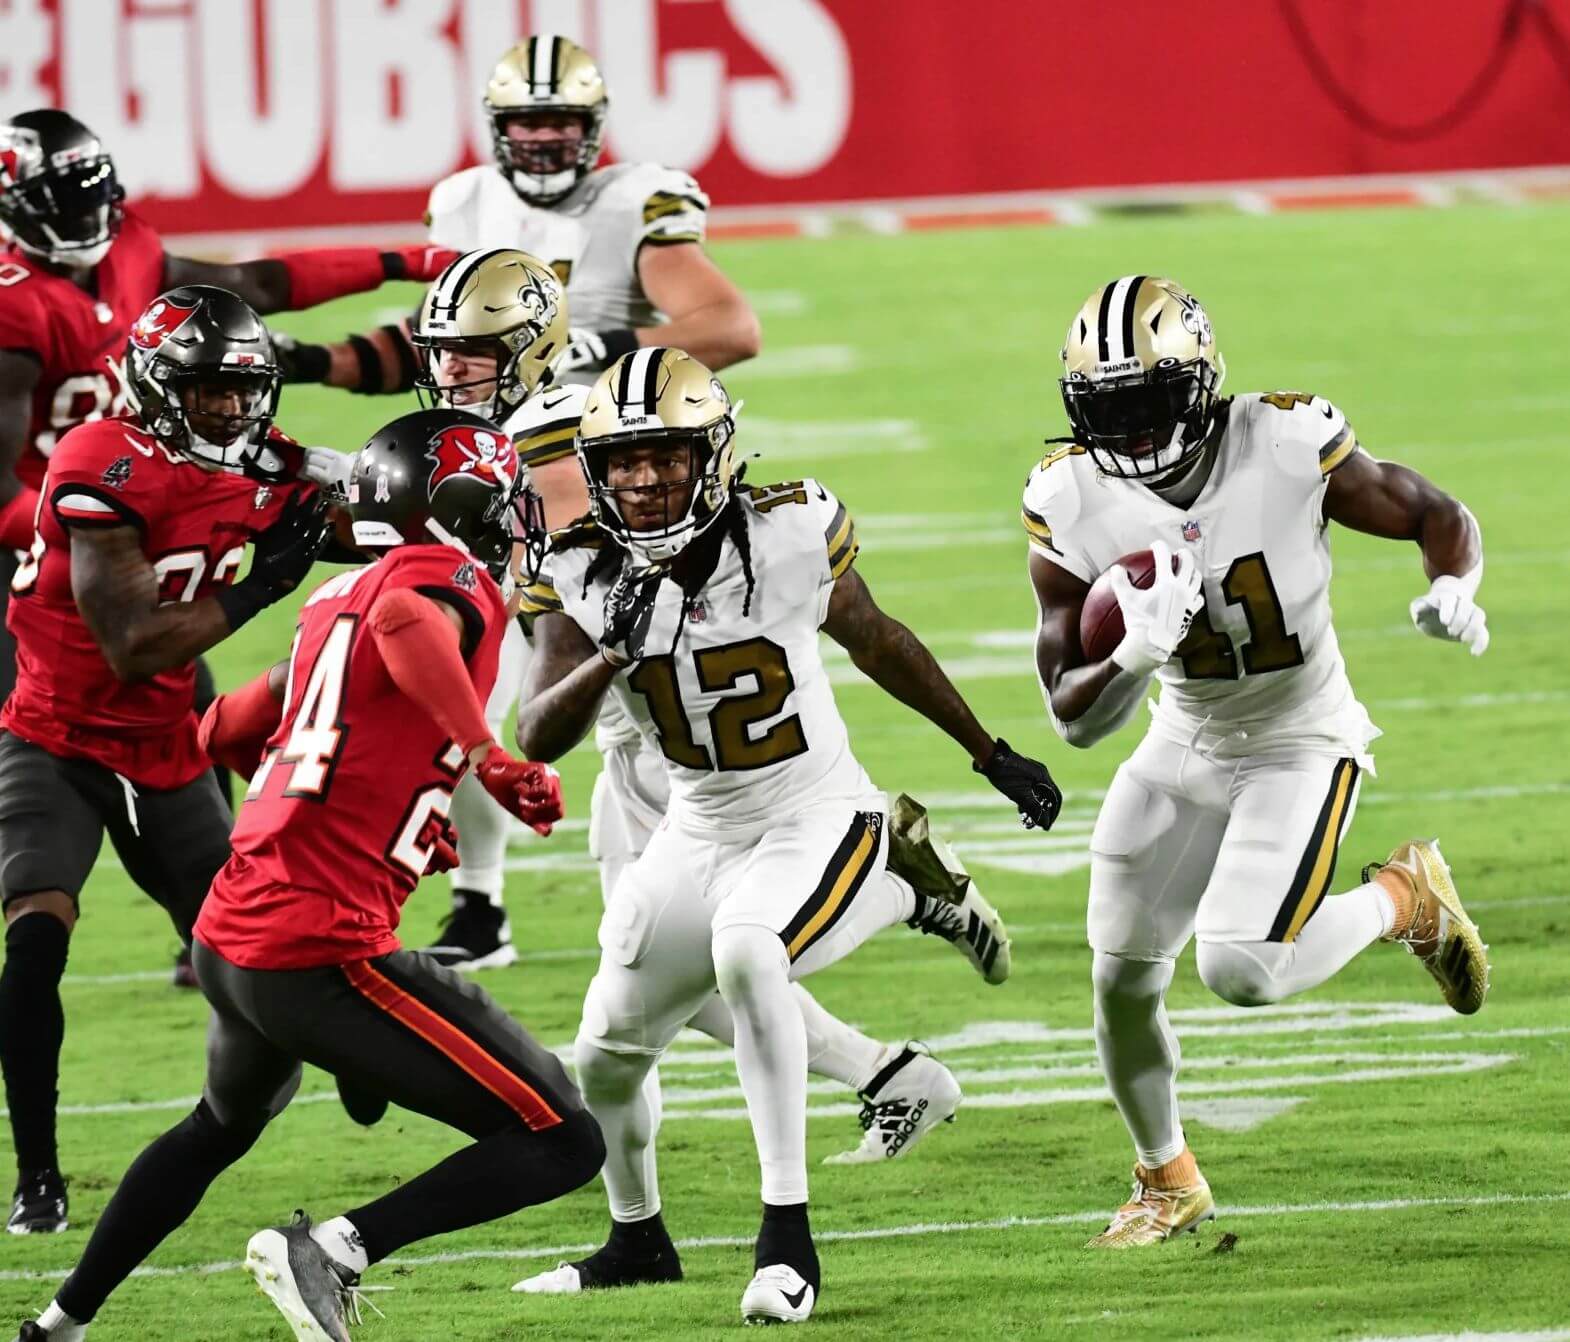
(697,604)
(143,523)
(77,268)
(352,747)
(1224,823)
(627,242)
(486,334)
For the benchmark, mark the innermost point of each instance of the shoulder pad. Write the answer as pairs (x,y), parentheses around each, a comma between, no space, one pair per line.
(449,196)
(544,426)
(1302,422)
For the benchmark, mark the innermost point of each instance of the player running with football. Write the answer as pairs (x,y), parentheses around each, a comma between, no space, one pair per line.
(360,738)
(626,241)
(143,525)
(486,332)
(697,603)
(78,268)
(1224,823)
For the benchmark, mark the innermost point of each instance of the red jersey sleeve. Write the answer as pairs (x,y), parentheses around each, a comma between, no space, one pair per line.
(138,254)
(444,575)
(106,473)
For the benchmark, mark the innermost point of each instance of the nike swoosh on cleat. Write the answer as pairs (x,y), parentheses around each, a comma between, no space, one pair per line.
(794,1301)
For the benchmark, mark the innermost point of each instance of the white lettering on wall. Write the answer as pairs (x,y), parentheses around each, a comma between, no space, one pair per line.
(25,31)
(679,126)
(793,124)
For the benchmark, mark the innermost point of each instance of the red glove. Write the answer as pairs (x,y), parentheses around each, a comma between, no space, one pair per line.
(530,791)
(418,263)
(444,846)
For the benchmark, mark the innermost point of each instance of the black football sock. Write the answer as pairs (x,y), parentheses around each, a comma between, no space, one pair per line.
(32,1028)
(786,1237)
(495,1177)
(163,1187)
(646,1239)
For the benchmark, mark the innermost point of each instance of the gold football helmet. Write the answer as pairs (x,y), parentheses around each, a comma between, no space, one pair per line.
(1140,377)
(649,398)
(546,74)
(502,303)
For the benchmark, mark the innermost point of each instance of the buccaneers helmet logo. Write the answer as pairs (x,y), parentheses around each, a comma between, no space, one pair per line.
(160,322)
(462,449)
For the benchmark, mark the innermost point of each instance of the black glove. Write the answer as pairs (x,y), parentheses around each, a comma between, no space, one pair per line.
(283,555)
(629,609)
(300,361)
(1026,783)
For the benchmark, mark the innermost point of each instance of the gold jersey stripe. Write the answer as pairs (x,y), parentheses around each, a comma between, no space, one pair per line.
(1071,450)
(838,529)
(663,203)
(1337,450)
(846,557)
(550,445)
(842,543)
(1035,527)
(668,239)
(1318,863)
(538,599)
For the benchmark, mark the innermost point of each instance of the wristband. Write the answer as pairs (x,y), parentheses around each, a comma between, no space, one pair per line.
(311,363)
(242,602)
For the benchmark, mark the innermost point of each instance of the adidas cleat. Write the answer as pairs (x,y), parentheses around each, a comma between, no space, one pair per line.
(901,1104)
(1154,1215)
(39,1204)
(973,928)
(777,1294)
(1440,933)
(475,935)
(318,1297)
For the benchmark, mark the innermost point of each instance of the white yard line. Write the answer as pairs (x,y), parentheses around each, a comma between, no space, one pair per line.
(1541,1335)
(916,1230)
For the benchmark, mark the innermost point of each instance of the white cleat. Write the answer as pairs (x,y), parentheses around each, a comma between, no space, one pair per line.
(562,1279)
(902,1103)
(777,1294)
(297,1275)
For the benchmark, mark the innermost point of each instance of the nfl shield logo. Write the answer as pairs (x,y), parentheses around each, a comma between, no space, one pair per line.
(1191,530)
(699,612)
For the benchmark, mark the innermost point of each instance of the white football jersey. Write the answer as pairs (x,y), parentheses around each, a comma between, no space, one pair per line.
(591,238)
(740,703)
(1261,664)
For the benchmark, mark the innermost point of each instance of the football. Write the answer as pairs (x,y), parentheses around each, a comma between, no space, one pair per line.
(1100,619)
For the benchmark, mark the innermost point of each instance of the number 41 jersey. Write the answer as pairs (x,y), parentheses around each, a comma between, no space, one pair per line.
(336,827)
(1260,666)
(735,692)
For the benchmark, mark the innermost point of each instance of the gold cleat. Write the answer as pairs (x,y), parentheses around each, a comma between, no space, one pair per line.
(1155,1215)
(1439,932)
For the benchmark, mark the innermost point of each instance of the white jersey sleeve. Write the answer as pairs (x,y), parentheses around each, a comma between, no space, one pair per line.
(1054,503)
(454,207)
(806,522)
(1311,435)
(542,429)
(671,207)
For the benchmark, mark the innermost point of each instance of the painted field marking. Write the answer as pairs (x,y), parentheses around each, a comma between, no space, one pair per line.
(796,361)
(918,1229)
(819,439)
(1541,1335)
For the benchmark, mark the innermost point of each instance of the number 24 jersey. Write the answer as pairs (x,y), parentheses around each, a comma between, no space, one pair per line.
(1261,662)
(740,702)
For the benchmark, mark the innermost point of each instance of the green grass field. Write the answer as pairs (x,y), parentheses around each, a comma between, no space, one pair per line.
(1387,1169)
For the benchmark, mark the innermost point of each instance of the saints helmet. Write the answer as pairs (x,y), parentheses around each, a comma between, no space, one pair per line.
(651,397)
(59,196)
(449,477)
(551,74)
(198,335)
(502,303)
(1140,377)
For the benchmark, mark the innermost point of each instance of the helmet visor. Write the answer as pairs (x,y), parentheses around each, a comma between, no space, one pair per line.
(66,208)
(542,141)
(1133,416)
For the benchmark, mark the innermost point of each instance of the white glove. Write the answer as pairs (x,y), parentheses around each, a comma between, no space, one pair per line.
(1448,610)
(585,351)
(1156,618)
(329,469)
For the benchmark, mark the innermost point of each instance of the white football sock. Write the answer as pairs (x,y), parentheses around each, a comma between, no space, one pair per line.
(622,1091)
(482,840)
(834,1049)
(341,1242)
(1255,973)
(1139,1052)
(753,971)
(60,1326)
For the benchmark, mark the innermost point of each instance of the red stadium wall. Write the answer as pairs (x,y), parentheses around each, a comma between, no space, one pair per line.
(261,114)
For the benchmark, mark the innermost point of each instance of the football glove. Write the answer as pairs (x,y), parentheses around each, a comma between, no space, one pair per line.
(590,351)
(1449,610)
(1025,782)
(282,556)
(1156,618)
(444,846)
(629,610)
(300,361)
(331,470)
(530,791)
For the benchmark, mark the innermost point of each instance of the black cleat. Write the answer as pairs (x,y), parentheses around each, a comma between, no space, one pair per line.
(363,1106)
(184,975)
(602,1270)
(39,1206)
(317,1296)
(31,1332)
(475,935)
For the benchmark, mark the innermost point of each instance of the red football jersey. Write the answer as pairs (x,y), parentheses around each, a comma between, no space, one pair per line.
(335,830)
(74,333)
(195,524)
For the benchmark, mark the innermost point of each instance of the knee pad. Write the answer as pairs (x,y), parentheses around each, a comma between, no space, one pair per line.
(745,955)
(1243,973)
(1129,987)
(605,1076)
(226,1141)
